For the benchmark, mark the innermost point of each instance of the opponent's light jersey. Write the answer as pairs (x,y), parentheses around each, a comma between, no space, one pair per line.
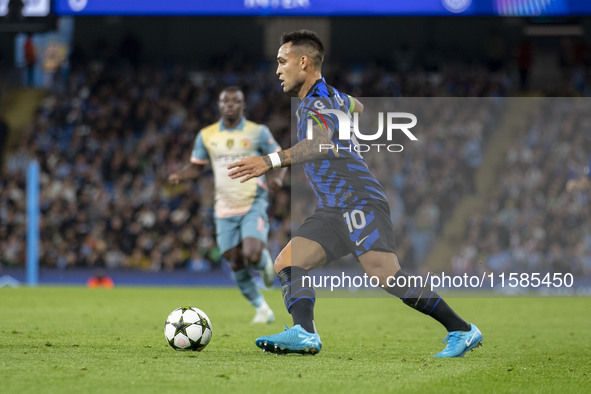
(220,146)
(344,178)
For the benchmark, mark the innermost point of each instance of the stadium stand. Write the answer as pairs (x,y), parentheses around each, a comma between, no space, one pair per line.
(530,223)
(107,139)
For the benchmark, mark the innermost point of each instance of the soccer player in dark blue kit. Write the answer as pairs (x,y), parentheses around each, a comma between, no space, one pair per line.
(347,193)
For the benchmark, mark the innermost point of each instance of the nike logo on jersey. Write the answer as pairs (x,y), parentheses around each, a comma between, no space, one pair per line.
(357,243)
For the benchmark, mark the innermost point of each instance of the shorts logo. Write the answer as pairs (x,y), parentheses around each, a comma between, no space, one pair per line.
(245,143)
(357,243)
(261,225)
(230,143)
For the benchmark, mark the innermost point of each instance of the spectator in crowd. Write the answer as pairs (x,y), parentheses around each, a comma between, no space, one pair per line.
(30,59)
(4,133)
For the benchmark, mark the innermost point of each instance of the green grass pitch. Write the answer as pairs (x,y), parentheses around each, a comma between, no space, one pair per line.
(77,340)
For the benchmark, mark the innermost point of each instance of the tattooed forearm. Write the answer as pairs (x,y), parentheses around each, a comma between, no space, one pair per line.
(268,161)
(307,150)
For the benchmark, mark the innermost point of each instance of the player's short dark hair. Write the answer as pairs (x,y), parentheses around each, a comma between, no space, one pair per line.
(231,89)
(307,39)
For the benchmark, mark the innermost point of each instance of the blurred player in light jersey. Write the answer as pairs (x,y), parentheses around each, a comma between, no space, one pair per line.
(240,208)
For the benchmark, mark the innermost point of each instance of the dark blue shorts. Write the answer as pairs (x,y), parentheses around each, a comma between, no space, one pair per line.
(356,229)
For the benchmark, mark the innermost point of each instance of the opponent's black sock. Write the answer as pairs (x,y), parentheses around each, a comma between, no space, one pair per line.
(299,299)
(419,296)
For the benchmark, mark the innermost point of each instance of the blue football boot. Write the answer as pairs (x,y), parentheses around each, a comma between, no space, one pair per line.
(292,340)
(459,342)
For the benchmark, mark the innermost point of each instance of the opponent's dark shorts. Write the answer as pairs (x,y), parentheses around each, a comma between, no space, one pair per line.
(356,229)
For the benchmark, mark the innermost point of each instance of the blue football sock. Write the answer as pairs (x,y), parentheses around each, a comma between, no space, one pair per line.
(420,297)
(247,287)
(299,299)
(265,259)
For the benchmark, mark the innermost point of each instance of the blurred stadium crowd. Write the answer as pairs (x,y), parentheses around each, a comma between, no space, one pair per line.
(108,136)
(531,223)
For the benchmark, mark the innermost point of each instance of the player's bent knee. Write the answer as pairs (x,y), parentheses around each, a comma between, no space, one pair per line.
(252,250)
(282,261)
(307,255)
(234,259)
(253,256)
(380,264)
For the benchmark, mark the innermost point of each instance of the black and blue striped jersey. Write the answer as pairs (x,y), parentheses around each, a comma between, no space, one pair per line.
(342,179)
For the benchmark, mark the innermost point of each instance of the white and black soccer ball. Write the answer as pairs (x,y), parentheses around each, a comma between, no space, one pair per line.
(187,328)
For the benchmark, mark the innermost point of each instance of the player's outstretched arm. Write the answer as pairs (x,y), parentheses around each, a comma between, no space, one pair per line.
(189,171)
(304,151)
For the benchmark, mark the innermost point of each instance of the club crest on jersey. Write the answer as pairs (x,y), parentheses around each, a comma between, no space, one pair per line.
(245,143)
(230,143)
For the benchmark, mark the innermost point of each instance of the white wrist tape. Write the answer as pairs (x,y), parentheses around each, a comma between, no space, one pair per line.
(275,160)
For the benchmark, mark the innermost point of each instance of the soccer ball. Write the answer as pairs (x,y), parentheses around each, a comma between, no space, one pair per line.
(187,328)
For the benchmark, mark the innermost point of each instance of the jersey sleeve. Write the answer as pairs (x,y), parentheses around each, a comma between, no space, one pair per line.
(267,143)
(315,109)
(199,154)
(349,102)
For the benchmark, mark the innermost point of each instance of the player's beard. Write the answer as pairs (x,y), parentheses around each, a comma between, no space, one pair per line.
(293,92)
